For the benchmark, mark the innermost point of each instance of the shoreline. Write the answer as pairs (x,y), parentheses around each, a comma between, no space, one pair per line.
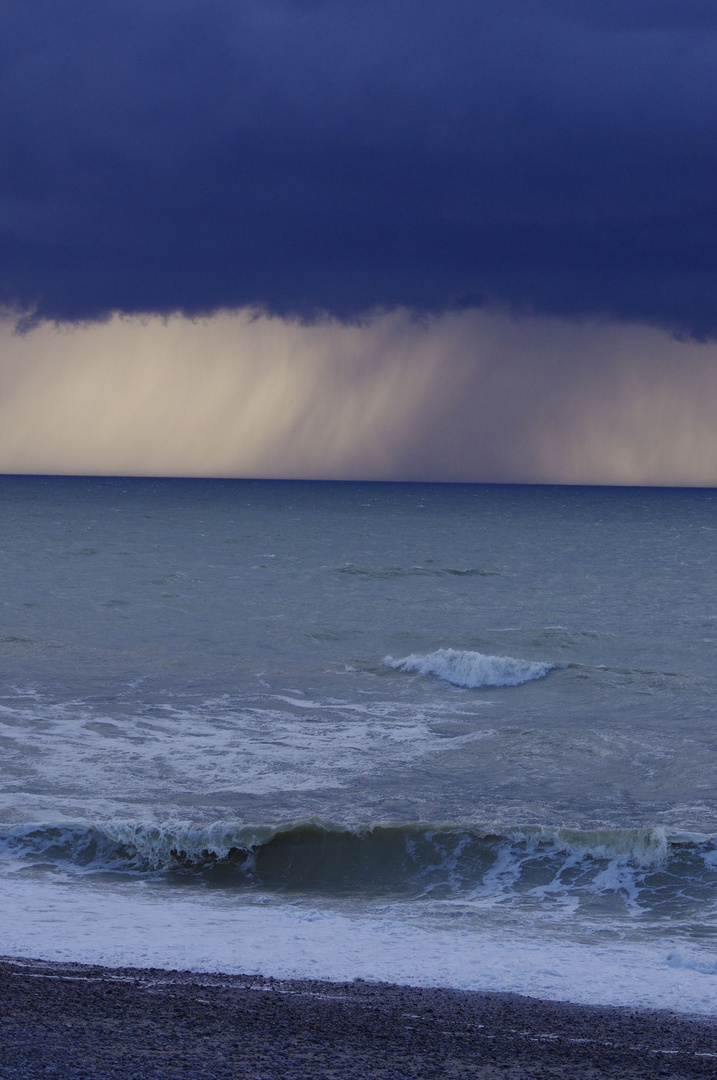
(68,1020)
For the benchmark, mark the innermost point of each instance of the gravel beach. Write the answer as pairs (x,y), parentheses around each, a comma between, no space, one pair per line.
(70,1020)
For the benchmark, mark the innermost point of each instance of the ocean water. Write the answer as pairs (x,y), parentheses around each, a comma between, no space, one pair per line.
(439,734)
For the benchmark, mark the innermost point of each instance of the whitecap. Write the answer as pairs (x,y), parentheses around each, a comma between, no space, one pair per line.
(472,669)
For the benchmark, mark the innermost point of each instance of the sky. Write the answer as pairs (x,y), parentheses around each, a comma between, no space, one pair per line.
(368,239)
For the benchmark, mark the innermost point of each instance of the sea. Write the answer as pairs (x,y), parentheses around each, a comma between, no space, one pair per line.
(432,734)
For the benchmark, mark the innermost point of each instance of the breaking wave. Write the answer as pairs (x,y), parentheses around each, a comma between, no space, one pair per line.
(643,871)
(472,669)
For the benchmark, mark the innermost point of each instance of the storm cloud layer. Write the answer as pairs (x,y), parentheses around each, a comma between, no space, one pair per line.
(342,156)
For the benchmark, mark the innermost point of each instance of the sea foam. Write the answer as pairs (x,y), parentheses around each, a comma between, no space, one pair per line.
(153,927)
(472,669)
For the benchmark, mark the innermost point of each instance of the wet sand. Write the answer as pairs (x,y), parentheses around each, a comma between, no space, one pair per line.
(75,1021)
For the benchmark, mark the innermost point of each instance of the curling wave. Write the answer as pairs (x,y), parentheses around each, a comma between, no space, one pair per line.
(472,669)
(645,870)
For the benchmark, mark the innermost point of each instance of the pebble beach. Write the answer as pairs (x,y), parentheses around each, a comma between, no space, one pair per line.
(74,1021)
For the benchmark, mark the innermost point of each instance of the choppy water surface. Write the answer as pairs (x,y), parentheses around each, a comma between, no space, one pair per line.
(480,715)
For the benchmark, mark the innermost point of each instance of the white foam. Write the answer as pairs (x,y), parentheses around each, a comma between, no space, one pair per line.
(472,669)
(109,764)
(692,963)
(153,926)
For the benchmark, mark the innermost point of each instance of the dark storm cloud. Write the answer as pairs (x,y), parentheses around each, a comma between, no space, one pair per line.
(310,157)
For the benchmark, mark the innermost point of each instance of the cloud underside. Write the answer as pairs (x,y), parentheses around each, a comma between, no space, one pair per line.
(337,158)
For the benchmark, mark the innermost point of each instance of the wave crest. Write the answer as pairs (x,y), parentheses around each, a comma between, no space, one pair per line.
(472,669)
(647,870)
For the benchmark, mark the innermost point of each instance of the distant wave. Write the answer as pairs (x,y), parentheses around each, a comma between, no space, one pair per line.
(472,669)
(646,870)
(415,571)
